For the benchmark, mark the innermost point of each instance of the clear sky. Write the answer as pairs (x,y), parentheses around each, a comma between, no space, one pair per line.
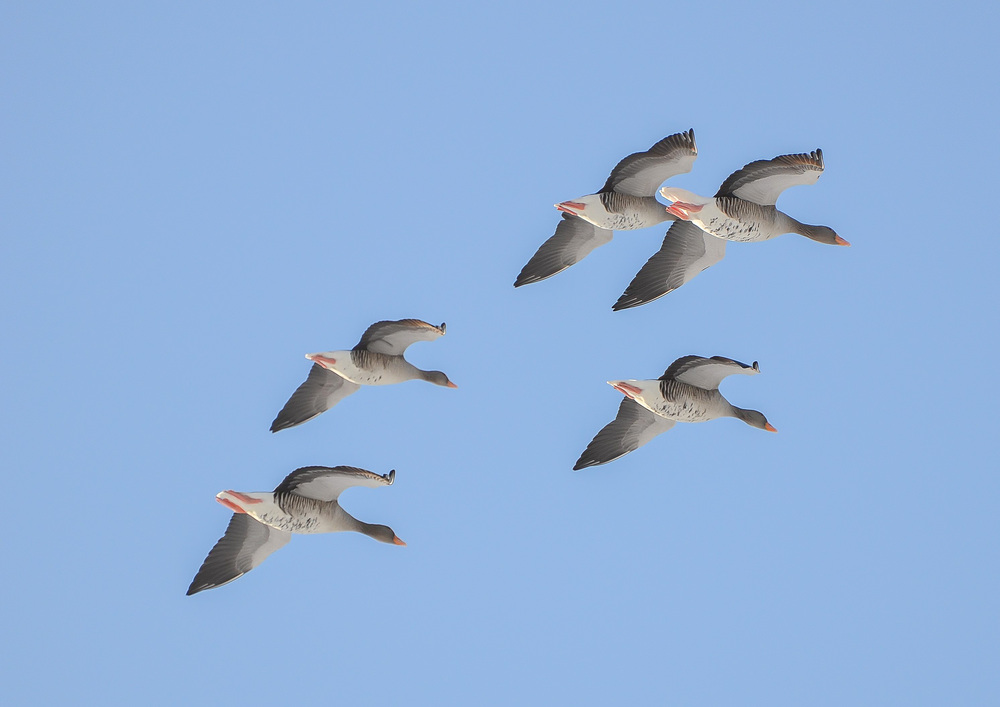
(194,195)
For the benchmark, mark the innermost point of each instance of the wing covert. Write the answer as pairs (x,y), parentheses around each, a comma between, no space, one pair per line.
(325,483)
(763,181)
(641,173)
(393,337)
(706,373)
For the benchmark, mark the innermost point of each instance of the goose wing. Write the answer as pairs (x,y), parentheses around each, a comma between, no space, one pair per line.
(632,428)
(686,251)
(706,373)
(393,337)
(572,242)
(321,391)
(246,543)
(325,483)
(763,181)
(641,173)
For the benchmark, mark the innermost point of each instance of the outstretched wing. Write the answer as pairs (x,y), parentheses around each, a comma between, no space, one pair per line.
(572,242)
(706,373)
(246,543)
(393,337)
(686,251)
(326,483)
(763,181)
(641,173)
(321,391)
(632,428)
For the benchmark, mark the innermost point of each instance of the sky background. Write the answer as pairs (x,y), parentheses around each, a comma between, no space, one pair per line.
(195,195)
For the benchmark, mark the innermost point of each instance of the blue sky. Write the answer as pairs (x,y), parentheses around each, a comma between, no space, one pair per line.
(194,197)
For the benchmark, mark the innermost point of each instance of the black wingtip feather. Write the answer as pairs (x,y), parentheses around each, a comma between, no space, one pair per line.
(625,303)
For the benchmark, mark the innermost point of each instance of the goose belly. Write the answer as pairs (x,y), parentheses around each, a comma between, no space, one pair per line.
(627,221)
(684,410)
(371,369)
(745,222)
(731,229)
(303,521)
(623,212)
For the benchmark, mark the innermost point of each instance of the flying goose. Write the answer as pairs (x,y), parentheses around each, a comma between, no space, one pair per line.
(376,360)
(687,392)
(305,502)
(743,210)
(627,201)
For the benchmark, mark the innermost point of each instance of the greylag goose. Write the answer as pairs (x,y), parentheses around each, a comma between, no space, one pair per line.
(687,392)
(376,360)
(627,201)
(743,210)
(305,502)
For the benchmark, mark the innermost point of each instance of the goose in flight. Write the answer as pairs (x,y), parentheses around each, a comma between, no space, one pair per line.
(743,210)
(376,360)
(305,502)
(687,392)
(627,201)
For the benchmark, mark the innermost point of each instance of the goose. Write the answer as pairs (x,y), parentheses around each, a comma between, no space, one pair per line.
(688,391)
(305,502)
(743,210)
(376,360)
(627,201)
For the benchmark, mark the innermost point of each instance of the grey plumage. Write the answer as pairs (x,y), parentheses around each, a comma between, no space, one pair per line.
(641,173)
(762,181)
(688,391)
(393,337)
(628,200)
(379,353)
(326,483)
(306,501)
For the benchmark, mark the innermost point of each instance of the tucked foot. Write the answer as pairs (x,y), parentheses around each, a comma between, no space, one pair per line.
(682,210)
(571,207)
(322,360)
(229,504)
(243,497)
